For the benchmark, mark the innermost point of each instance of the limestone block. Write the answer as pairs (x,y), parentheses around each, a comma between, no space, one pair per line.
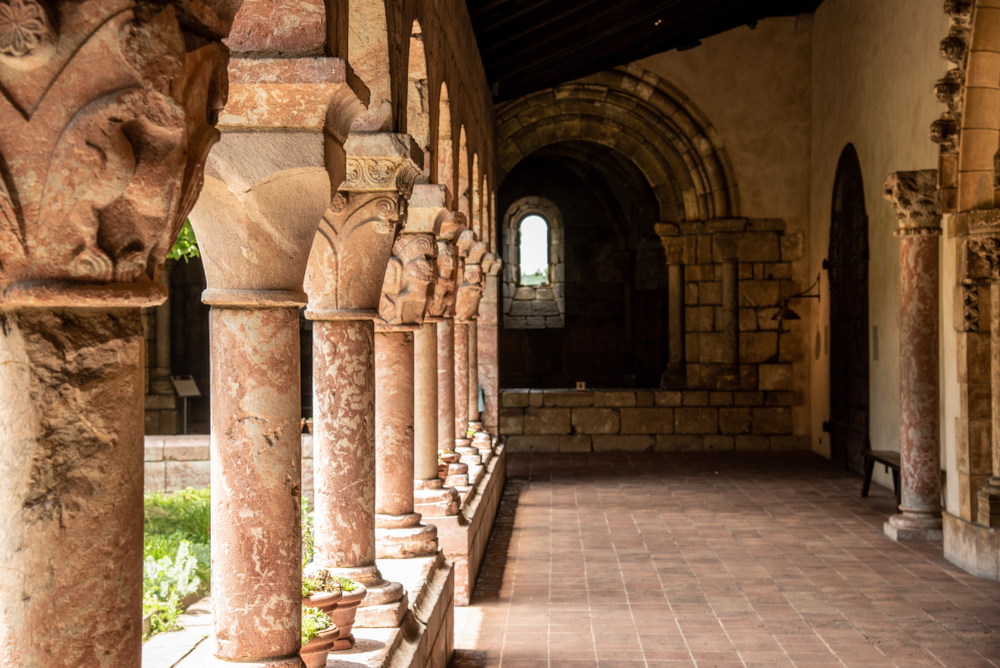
(535,322)
(976,402)
(524,294)
(775,376)
(718,442)
(669,398)
(752,442)
(791,347)
(720,399)
(648,420)
(790,443)
(596,420)
(695,398)
(757,347)
(678,442)
(613,398)
(748,398)
(535,398)
(159,402)
(533,443)
(155,477)
(775,420)
(710,292)
(543,308)
(181,450)
(765,318)
(180,475)
(735,420)
(511,421)
(748,319)
(699,318)
(696,420)
(645,398)
(546,421)
(294,28)
(745,271)
(766,225)
(514,398)
(691,294)
(618,442)
(520,308)
(544,293)
(783,398)
(705,249)
(749,376)
(153,449)
(575,443)
(756,293)
(778,270)
(568,398)
(692,347)
(714,348)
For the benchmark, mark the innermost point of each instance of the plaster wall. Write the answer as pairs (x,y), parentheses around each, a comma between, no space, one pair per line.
(873,68)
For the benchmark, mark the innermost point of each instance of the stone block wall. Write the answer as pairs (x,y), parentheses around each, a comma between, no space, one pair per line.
(648,420)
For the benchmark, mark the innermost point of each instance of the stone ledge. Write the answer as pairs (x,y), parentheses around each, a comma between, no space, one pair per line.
(972,547)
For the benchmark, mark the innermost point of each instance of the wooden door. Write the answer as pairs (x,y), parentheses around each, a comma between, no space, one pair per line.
(848,266)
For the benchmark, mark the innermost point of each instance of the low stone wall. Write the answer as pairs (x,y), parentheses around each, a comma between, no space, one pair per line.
(648,420)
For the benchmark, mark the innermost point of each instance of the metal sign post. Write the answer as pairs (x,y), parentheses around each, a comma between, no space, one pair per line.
(185,387)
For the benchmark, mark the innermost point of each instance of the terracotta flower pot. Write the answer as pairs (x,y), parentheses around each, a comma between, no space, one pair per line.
(344,615)
(314,653)
(327,601)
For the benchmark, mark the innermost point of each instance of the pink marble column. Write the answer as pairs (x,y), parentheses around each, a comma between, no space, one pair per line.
(461,362)
(446,384)
(431,497)
(913,195)
(475,423)
(104,126)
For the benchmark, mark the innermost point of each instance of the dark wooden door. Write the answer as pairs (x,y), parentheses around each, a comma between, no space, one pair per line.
(848,268)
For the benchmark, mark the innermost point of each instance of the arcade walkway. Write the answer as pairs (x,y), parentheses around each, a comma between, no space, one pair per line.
(671,561)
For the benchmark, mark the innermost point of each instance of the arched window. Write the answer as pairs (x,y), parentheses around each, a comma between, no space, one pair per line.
(533,246)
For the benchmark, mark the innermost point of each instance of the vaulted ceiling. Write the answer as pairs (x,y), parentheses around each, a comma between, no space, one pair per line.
(528,45)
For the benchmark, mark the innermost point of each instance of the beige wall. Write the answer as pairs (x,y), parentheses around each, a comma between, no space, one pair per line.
(873,68)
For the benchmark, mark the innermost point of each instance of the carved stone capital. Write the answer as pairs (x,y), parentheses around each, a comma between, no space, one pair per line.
(914,196)
(442,305)
(409,282)
(107,110)
(471,289)
(382,162)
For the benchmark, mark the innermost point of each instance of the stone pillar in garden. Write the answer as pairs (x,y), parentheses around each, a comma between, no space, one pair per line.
(470,293)
(344,280)
(102,156)
(406,290)
(914,196)
(431,497)
(268,185)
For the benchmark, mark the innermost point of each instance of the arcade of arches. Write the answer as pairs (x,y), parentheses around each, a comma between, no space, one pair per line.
(773,253)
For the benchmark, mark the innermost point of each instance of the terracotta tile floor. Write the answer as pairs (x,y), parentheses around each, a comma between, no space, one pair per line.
(713,560)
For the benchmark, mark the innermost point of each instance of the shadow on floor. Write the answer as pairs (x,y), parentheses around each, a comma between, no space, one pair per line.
(495,560)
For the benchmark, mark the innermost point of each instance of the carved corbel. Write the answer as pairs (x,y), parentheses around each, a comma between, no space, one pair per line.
(351,251)
(107,110)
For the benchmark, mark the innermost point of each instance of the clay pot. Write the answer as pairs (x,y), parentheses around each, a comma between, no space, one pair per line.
(327,601)
(344,615)
(314,653)
(309,426)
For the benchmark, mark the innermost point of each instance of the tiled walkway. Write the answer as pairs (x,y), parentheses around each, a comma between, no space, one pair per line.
(670,561)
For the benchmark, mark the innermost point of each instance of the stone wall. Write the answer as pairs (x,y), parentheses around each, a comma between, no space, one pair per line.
(647,420)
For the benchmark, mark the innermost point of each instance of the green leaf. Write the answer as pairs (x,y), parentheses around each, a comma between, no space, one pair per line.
(186,246)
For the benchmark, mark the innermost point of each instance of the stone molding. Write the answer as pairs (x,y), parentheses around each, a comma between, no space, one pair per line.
(914,196)
(108,118)
(533,306)
(351,251)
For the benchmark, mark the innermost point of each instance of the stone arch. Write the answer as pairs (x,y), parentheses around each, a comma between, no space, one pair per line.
(533,307)
(640,116)
(372,60)
(418,108)
(464,197)
(484,207)
(445,149)
(477,219)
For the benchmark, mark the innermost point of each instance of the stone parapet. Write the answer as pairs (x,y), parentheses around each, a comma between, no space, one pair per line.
(648,420)
(972,546)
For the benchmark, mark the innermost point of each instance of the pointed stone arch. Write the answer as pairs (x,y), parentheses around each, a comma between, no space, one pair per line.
(640,116)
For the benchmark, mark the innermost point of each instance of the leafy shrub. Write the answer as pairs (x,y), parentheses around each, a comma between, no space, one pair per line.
(165,582)
(186,246)
(188,511)
(314,620)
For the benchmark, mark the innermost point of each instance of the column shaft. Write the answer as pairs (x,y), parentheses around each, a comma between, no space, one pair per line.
(675,319)
(446,384)
(256,455)
(394,416)
(344,442)
(71,415)
(425,388)
(729,327)
(473,345)
(920,510)
(461,361)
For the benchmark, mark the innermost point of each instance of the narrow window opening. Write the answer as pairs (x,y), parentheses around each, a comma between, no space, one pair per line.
(534,251)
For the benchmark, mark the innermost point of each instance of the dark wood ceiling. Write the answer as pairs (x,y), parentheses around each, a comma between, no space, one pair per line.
(528,45)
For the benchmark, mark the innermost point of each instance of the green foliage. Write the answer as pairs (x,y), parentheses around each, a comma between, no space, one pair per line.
(537,278)
(309,586)
(158,546)
(314,620)
(188,511)
(165,582)
(308,537)
(186,246)
(346,584)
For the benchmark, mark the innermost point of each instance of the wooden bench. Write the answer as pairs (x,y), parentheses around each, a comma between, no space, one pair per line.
(887,458)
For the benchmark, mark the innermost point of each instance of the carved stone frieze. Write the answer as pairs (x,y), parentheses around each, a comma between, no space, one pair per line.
(967,307)
(107,110)
(951,88)
(914,196)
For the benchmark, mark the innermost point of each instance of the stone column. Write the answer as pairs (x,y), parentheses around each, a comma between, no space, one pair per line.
(486,343)
(446,384)
(913,194)
(267,186)
(466,309)
(344,281)
(461,362)
(407,287)
(470,293)
(97,181)
(475,421)
(676,373)
(431,497)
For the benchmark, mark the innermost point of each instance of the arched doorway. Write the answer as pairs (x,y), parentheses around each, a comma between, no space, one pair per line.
(848,266)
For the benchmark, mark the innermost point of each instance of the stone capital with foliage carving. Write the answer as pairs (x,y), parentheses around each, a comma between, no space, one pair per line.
(107,109)
(914,196)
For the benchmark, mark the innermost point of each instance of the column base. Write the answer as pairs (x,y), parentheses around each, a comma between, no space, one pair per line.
(989,504)
(404,537)
(458,475)
(476,426)
(462,443)
(432,499)
(468,454)
(380,591)
(287,662)
(914,526)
